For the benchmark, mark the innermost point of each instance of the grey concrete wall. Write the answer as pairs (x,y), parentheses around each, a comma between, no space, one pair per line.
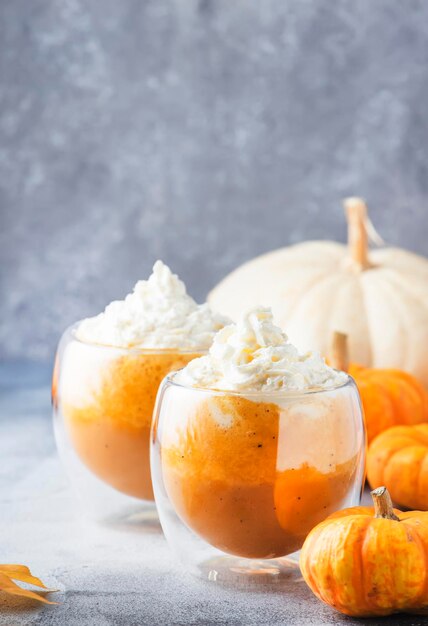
(201,132)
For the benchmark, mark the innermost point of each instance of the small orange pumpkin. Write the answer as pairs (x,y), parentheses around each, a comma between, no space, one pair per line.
(398,458)
(389,396)
(369,562)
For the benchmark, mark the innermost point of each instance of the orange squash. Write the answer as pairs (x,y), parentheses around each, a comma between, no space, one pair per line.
(398,458)
(369,562)
(389,396)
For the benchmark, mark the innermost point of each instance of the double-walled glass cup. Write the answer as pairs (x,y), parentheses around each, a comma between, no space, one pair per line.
(240,479)
(103,400)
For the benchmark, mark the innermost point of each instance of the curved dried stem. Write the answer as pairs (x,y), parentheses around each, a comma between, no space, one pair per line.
(383,504)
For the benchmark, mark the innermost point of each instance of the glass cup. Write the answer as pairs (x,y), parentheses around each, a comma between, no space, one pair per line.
(240,479)
(103,399)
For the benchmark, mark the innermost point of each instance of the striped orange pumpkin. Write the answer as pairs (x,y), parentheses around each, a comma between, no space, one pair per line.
(390,397)
(398,459)
(369,562)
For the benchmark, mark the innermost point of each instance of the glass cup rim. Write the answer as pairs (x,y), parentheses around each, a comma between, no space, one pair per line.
(273,394)
(71,331)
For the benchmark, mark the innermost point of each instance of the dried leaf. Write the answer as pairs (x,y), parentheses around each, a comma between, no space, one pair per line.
(22,573)
(8,573)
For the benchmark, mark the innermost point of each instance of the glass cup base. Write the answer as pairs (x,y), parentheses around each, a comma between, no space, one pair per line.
(232,570)
(140,517)
(98,503)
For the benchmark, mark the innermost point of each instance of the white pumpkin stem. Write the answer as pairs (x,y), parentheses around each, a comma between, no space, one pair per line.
(383,504)
(356,214)
(339,357)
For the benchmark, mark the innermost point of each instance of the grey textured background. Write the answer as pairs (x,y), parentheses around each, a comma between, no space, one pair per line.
(202,132)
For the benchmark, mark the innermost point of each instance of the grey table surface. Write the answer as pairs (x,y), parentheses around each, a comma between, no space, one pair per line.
(106,577)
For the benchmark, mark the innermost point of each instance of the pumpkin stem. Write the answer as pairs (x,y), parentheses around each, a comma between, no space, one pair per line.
(382,504)
(356,214)
(338,357)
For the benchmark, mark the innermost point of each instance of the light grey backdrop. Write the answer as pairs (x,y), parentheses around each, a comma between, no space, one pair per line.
(201,132)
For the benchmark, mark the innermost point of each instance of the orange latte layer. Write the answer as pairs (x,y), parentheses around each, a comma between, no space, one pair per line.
(110,429)
(225,477)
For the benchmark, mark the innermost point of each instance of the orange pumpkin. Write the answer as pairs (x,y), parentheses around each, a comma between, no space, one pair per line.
(389,396)
(398,458)
(369,562)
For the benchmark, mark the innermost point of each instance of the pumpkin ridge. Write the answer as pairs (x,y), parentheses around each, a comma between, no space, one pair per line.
(422,431)
(334,279)
(412,390)
(380,470)
(391,299)
(416,385)
(423,549)
(384,390)
(398,453)
(296,302)
(331,325)
(364,307)
(403,286)
(404,292)
(371,600)
(396,434)
(385,478)
(366,599)
(386,257)
(331,574)
(311,538)
(310,556)
(401,431)
(388,388)
(361,579)
(413,537)
(419,488)
(352,523)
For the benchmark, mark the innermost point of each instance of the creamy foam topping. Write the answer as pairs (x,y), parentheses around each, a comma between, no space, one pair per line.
(255,355)
(157,314)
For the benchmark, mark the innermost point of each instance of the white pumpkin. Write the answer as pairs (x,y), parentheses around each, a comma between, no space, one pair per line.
(380,300)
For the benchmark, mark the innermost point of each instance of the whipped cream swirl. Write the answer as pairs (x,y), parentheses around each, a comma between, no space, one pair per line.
(158,314)
(255,355)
